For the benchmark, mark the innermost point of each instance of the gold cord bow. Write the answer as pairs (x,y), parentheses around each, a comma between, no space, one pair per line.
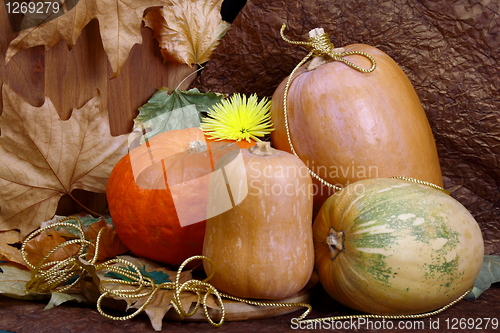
(321,45)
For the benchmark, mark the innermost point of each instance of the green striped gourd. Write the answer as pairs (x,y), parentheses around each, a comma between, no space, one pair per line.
(393,247)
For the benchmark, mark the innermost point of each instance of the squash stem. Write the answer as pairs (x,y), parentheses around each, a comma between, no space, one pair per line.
(197,146)
(324,58)
(335,242)
(262,148)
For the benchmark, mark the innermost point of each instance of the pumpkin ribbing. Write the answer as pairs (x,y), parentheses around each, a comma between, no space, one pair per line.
(141,201)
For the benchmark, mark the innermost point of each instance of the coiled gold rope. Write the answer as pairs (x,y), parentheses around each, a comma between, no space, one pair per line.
(47,276)
(59,276)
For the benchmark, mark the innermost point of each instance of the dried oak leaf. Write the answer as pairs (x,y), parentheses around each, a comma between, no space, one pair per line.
(38,247)
(188,31)
(119,24)
(110,244)
(44,157)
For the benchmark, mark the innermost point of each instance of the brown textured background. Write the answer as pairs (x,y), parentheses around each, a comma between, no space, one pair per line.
(448,49)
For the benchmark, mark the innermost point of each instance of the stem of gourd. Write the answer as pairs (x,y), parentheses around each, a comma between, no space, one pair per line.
(197,146)
(321,60)
(335,242)
(262,148)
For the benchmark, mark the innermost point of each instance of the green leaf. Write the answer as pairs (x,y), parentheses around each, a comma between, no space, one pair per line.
(180,118)
(176,110)
(86,222)
(158,277)
(489,274)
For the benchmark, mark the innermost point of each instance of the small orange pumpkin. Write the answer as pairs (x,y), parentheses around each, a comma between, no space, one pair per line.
(141,194)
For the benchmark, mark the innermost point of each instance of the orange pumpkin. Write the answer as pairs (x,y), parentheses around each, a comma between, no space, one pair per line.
(347,125)
(157,194)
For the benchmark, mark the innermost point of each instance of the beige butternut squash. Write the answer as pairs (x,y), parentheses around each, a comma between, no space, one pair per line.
(261,248)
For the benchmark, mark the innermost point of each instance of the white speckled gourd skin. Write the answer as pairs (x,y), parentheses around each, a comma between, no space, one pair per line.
(406,248)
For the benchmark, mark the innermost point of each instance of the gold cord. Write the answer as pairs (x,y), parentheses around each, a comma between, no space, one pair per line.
(62,275)
(390,317)
(422,182)
(58,276)
(321,45)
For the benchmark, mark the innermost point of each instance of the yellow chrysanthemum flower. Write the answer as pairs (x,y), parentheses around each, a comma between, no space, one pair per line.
(238,118)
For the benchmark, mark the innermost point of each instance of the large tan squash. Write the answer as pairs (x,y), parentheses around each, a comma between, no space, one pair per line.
(347,125)
(262,248)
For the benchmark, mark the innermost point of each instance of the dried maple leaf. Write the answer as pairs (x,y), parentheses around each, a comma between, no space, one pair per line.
(157,308)
(188,31)
(44,157)
(7,251)
(119,24)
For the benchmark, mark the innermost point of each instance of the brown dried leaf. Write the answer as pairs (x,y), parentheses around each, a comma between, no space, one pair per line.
(44,157)
(162,300)
(162,303)
(189,298)
(7,251)
(38,247)
(109,245)
(188,31)
(157,308)
(119,23)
